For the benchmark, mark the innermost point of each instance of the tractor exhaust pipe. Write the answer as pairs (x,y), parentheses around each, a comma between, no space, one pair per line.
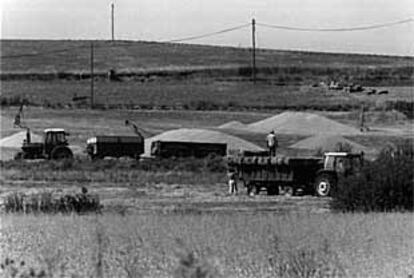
(28,137)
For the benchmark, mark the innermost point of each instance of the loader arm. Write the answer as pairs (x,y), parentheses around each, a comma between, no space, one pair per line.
(138,131)
(18,118)
(18,122)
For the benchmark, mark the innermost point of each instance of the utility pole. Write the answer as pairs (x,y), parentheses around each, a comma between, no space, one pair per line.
(254,50)
(362,125)
(112,22)
(92,78)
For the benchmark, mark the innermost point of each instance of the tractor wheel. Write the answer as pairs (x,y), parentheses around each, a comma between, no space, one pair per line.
(257,189)
(289,191)
(272,189)
(95,157)
(19,156)
(61,153)
(323,185)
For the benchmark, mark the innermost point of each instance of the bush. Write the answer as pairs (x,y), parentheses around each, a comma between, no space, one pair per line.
(15,101)
(192,265)
(47,202)
(11,268)
(385,184)
(313,262)
(405,107)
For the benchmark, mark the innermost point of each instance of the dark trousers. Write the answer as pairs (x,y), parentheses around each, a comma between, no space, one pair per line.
(272,151)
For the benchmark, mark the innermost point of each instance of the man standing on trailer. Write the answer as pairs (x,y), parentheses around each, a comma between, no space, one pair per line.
(272,143)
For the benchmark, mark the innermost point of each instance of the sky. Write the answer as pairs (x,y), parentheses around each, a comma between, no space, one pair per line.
(163,20)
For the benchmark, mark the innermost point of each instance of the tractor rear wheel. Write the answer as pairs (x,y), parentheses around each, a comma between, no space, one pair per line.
(19,155)
(253,189)
(61,153)
(323,185)
(272,189)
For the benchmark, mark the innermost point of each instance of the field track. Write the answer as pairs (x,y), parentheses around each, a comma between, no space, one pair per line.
(176,198)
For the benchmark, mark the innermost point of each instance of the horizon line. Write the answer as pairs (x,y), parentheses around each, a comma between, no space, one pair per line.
(210,45)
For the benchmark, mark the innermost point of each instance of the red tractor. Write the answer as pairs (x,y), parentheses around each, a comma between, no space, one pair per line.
(55,146)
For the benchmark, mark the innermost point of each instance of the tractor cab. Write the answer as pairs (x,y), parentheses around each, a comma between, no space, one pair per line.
(343,162)
(54,137)
(336,164)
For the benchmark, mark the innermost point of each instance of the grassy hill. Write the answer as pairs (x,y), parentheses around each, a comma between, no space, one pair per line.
(194,77)
(57,57)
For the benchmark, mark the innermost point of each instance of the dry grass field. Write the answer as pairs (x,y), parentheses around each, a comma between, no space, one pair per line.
(208,94)
(212,245)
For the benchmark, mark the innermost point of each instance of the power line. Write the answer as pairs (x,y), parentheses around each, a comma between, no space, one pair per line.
(342,29)
(124,43)
(283,27)
(208,34)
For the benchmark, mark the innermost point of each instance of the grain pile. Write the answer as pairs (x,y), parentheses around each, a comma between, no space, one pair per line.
(301,123)
(233,125)
(328,143)
(201,136)
(12,144)
(16,140)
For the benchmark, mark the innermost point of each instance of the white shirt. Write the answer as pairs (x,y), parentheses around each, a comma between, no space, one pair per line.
(271,140)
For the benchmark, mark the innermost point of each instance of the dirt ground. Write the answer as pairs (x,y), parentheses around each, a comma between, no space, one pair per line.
(167,198)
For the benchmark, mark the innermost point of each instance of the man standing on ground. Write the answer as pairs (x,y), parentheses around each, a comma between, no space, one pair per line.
(232,182)
(271,143)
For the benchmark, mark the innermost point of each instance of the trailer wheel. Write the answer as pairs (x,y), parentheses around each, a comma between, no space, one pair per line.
(323,185)
(95,157)
(19,155)
(249,187)
(289,191)
(272,190)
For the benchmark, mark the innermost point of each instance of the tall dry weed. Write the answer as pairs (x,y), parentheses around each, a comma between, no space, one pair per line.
(304,262)
(192,265)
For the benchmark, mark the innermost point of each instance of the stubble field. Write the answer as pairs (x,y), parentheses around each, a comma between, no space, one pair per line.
(213,245)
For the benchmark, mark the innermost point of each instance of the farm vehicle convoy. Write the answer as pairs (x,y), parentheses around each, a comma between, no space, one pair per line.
(255,170)
(55,146)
